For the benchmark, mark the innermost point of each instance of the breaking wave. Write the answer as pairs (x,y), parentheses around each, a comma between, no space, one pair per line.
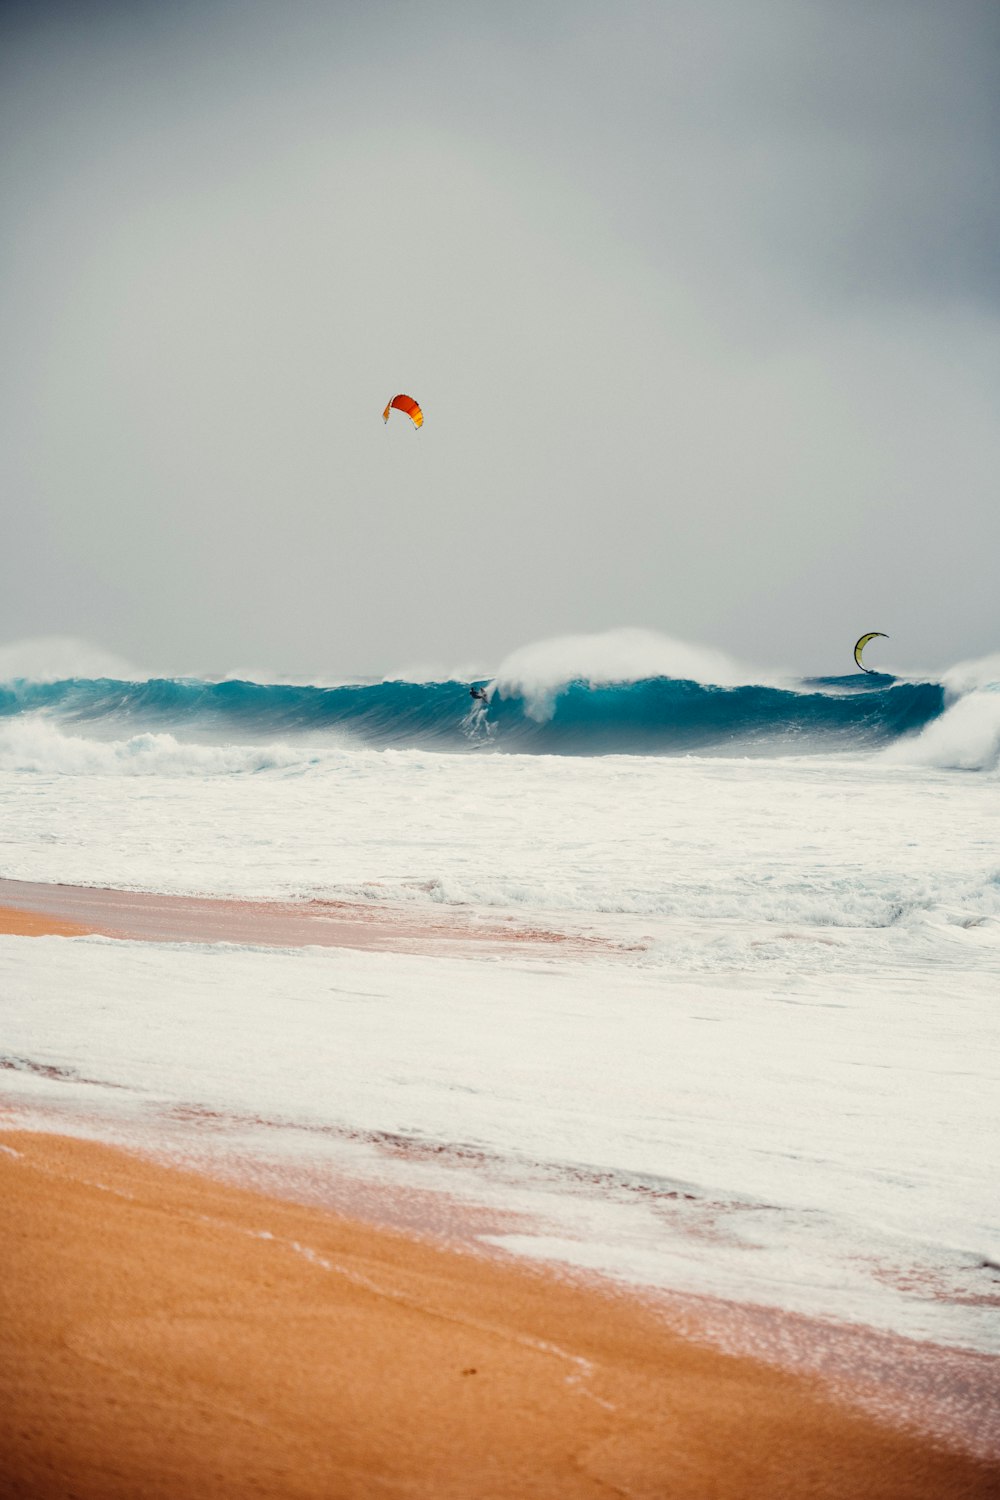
(966,737)
(622,692)
(37,744)
(654,715)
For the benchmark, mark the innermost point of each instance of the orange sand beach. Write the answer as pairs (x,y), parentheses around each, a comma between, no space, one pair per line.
(167,1335)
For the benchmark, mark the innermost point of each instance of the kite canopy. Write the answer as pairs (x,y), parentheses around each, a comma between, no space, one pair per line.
(409,406)
(862,643)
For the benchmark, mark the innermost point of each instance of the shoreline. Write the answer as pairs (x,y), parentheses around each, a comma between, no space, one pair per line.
(860,1391)
(37,909)
(169,1334)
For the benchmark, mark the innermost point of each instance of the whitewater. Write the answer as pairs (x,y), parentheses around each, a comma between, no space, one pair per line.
(773,1078)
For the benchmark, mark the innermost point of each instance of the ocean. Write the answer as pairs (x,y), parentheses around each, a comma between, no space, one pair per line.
(768,1074)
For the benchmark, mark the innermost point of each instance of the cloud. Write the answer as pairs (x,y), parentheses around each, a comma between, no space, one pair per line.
(700,302)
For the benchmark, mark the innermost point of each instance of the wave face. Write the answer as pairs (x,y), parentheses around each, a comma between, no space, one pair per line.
(656,715)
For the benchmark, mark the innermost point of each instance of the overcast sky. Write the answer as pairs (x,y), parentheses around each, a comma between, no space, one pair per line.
(701,301)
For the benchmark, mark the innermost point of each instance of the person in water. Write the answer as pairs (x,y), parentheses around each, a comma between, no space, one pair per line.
(479,693)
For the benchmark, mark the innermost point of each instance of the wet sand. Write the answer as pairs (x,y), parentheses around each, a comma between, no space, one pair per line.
(150,917)
(164,1335)
(37,924)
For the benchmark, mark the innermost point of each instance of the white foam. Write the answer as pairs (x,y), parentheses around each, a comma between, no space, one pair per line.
(34,744)
(711,864)
(966,737)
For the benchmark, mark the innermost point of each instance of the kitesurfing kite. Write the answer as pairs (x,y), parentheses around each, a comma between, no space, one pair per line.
(407,405)
(862,643)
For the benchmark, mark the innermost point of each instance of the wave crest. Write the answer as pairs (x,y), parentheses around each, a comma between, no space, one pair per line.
(539,673)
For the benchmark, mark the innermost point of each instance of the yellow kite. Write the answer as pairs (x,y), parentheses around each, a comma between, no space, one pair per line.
(862,643)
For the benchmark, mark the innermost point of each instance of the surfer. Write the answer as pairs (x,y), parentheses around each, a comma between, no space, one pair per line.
(480,693)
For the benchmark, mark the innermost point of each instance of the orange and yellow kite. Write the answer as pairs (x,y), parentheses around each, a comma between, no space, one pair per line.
(409,406)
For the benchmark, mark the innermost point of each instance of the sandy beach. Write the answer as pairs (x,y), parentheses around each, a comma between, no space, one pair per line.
(169,1335)
(165,1335)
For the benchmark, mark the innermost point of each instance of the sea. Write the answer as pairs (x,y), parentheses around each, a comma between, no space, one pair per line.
(764,1070)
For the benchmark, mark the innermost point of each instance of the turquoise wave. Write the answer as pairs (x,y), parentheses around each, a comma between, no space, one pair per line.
(659,715)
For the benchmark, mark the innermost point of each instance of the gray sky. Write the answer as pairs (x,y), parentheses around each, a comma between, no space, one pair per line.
(701,300)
